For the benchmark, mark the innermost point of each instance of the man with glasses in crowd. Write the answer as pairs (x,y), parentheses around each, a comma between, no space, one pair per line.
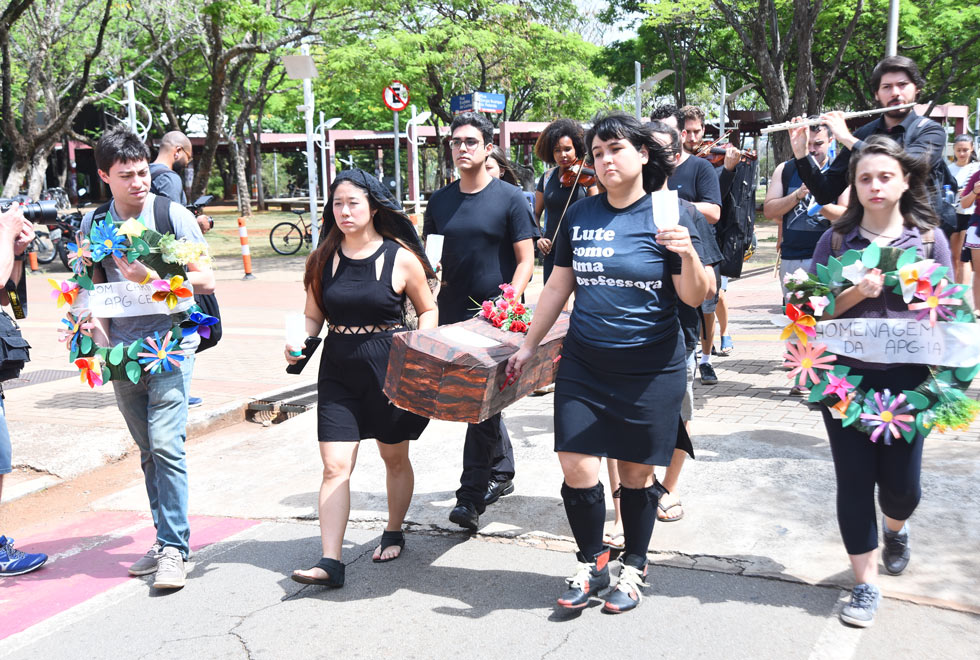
(489,240)
(800,219)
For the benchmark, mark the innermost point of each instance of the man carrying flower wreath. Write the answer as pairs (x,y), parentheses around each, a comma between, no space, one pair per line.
(154,407)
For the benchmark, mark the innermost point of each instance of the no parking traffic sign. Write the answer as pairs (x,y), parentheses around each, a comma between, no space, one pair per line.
(396,96)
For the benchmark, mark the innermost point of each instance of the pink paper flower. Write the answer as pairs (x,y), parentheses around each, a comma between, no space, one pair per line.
(935,300)
(819,303)
(509,292)
(805,359)
(64,292)
(487,309)
(839,386)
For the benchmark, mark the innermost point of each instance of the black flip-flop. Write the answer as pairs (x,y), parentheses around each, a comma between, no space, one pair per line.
(389,539)
(334,570)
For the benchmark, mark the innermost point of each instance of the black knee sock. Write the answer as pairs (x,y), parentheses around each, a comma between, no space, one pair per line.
(639,509)
(586,511)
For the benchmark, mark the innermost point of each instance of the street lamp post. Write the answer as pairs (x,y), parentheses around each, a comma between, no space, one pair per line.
(892,44)
(301,67)
(725,100)
(647,85)
(322,136)
(411,132)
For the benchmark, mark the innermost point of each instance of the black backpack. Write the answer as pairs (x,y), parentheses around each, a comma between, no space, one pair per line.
(208,302)
(940,177)
(736,228)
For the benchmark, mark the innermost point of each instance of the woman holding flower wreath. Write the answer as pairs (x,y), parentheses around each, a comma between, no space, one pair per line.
(622,375)
(888,208)
(357,280)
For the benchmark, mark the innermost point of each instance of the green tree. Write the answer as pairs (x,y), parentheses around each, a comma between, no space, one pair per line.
(57,57)
(442,48)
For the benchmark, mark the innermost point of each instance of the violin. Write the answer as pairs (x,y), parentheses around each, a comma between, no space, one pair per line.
(571,175)
(716,155)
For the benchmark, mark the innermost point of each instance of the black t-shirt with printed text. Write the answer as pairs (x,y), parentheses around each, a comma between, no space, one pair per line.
(624,293)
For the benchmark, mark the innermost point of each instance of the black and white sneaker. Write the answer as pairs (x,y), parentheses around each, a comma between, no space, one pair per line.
(708,376)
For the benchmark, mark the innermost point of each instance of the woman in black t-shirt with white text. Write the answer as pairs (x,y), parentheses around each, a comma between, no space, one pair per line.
(621,378)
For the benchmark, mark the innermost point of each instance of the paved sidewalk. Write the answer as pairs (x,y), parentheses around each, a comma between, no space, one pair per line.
(758,550)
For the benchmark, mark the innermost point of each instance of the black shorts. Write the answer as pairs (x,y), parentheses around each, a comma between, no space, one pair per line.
(351,403)
(708,306)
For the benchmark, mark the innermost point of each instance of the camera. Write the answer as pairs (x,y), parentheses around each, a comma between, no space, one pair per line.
(39,212)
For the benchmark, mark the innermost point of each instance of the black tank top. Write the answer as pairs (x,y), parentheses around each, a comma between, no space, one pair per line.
(356,296)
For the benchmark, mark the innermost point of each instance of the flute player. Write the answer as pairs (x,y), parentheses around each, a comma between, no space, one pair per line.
(895,81)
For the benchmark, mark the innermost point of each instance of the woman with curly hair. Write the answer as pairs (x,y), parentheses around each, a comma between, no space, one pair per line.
(560,144)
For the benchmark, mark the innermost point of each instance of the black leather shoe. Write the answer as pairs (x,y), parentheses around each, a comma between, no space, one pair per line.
(497,489)
(591,578)
(465,515)
(897,552)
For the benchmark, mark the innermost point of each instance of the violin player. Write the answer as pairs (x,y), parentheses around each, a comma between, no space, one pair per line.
(561,145)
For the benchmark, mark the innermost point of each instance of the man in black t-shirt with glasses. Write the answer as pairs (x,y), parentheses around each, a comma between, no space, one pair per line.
(489,240)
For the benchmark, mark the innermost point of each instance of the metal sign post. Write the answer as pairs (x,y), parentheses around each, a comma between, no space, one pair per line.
(396,98)
(301,67)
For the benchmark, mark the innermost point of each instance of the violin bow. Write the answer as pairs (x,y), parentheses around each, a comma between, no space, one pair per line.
(578,175)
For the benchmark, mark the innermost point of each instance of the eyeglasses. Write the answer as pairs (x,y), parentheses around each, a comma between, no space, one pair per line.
(471,143)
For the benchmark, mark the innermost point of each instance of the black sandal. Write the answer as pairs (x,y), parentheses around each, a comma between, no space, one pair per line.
(389,539)
(334,570)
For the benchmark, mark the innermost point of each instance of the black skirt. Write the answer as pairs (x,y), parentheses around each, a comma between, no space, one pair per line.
(351,403)
(621,403)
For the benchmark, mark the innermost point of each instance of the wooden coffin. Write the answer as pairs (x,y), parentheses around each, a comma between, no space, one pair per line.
(456,372)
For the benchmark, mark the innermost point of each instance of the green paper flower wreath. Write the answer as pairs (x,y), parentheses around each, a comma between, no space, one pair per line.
(939,402)
(162,253)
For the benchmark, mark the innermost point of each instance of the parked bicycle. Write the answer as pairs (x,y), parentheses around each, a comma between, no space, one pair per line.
(288,237)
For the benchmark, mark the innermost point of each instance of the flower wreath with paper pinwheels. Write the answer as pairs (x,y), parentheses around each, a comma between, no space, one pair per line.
(940,402)
(163,253)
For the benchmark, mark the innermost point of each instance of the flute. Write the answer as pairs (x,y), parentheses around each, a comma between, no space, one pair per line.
(786,125)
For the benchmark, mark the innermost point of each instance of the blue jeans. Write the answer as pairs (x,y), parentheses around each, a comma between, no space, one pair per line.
(155,410)
(5,456)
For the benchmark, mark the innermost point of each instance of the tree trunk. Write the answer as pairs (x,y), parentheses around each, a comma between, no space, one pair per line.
(15,177)
(244,197)
(38,173)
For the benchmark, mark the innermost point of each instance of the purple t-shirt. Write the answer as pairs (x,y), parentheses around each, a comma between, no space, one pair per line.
(969,188)
(888,305)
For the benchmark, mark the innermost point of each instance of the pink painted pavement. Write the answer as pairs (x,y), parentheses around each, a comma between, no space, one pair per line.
(95,548)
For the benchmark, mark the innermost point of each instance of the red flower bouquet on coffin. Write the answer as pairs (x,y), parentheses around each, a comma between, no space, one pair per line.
(506,312)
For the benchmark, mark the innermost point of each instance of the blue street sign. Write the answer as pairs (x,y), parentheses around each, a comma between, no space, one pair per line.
(461,103)
(477,102)
(486,102)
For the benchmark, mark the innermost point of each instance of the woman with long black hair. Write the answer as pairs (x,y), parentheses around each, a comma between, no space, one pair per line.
(357,281)
(621,378)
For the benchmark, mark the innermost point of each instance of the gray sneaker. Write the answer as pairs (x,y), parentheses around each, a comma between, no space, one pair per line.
(147,563)
(861,610)
(170,571)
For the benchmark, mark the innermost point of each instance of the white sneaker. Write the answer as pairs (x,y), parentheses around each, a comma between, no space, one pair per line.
(147,563)
(170,569)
